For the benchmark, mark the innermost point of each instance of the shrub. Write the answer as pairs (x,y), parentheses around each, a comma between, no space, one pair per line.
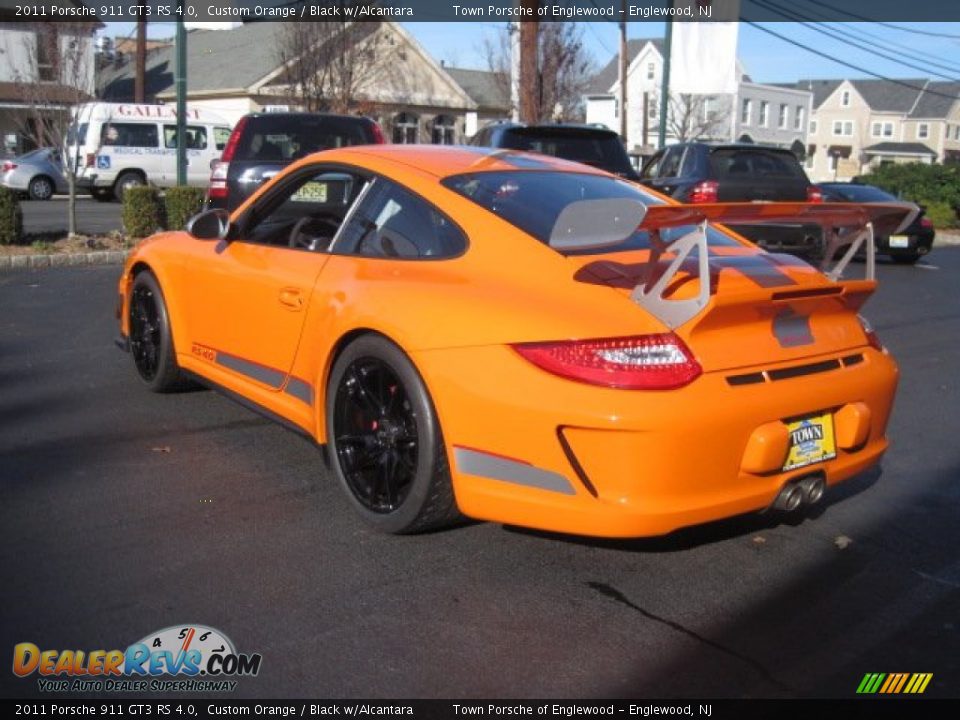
(181,204)
(926,184)
(941,214)
(141,211)
(11,217)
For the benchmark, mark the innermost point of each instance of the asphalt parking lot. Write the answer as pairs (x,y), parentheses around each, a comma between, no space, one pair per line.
(124,512)
(50,216)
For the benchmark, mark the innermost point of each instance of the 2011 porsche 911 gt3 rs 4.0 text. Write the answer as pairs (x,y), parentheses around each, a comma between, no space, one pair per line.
(522,339)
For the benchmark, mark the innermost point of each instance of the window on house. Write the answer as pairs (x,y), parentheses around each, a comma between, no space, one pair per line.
(746,110)
(923,130)
(782,117)
(406,128)
(956,133)
(845,98)
(808,162)
(709,109)
(832,165)
(881,129)
(652,109)
(798,118)
(813,127)
(651,71)
(47,43)
(843,127)
(444,130)
(764,113)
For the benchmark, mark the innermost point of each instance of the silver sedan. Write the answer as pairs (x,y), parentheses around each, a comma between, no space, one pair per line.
(38,173)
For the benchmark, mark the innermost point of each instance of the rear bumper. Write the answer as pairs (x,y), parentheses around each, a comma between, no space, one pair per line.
(575,458)
(917,244)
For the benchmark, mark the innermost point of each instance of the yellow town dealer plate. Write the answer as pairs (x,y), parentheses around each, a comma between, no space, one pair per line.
(899,241)
(811,441)
(312,191)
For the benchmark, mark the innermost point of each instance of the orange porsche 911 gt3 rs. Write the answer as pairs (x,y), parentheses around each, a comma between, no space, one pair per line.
(516,338)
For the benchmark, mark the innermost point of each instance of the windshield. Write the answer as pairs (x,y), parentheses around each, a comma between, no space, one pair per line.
(532,201)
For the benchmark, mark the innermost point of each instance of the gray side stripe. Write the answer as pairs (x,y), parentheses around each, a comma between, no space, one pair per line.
(268,376)
(300,390)
(473,462)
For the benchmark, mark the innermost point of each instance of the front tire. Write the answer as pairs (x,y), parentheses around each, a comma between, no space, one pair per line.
(40,188)
(151,341)
(384,440)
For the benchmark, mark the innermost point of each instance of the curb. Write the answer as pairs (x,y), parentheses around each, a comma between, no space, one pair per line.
(102,257)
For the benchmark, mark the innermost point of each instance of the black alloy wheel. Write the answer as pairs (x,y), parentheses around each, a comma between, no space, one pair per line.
(151,342)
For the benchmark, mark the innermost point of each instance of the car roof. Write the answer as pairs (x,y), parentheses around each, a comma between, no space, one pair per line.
(446,160)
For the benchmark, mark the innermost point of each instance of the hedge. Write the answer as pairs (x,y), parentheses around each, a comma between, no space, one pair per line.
(935,186)
(141,211)
(11,217)
(181,204)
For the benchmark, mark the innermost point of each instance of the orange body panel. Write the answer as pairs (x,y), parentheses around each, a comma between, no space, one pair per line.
(266,322)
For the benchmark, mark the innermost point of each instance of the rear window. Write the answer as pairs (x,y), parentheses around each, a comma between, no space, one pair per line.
(532,201)
(861,193)
(731,164)
(286,138)
(600,150)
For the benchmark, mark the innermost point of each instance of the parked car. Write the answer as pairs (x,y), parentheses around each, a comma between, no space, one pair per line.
(38,174)
(116,146)
(907,245)
(589,144)
(262,144)
(697,172)
(481,332)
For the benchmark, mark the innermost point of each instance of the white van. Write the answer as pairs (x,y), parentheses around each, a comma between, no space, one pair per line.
(120,145)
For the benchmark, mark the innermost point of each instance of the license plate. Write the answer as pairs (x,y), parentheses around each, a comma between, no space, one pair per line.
(311,192)
(811,441)
(899,241)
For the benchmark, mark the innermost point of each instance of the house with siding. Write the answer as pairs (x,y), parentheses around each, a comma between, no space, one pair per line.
(238,70)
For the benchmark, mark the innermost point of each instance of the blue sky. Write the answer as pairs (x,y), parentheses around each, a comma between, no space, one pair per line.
(766,58)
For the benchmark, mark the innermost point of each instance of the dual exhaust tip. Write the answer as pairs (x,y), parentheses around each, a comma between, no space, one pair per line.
(808,490)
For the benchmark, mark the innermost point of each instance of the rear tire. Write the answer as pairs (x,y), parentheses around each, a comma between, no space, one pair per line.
(384,440)
(40,188)
(151,341)
(125,181)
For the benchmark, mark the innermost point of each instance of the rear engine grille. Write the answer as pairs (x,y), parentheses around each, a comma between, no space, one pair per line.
(792,372)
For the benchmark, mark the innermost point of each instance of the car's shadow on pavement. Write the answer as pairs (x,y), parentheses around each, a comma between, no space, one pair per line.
(721,530)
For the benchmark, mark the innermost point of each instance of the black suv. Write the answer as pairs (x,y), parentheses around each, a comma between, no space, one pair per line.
(262,144)
(596,146)
(700,173)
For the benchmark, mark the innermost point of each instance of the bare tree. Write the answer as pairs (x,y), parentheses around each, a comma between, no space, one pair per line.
(329,64)
(564,69)
(691,117)
(55,77)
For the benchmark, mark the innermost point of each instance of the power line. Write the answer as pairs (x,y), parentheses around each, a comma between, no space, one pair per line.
(894,26)
(789,14)
(847,64)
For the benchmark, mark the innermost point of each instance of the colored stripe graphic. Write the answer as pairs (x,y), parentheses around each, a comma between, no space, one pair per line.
(894,683)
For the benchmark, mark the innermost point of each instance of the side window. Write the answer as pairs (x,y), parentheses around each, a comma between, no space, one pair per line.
(652,168)
(129,135)
(688,166)
(307,213)
(671,162)
(196,137)
(220,136)
(392,222)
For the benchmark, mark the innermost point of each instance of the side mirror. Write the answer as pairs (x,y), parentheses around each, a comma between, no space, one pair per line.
(209,224)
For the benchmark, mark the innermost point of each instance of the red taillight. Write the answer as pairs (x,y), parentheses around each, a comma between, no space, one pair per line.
(814,194)
(378,137)
(218,179)
(233,141)
(925,222)
(7,166)
(704,192)
(645,362)
(873,340)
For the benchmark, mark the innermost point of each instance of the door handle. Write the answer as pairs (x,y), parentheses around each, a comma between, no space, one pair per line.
(292,298)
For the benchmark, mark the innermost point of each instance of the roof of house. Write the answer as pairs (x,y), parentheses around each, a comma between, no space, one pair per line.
(937,100)
(900,148)
(605,79)
(489,90)
(216,60)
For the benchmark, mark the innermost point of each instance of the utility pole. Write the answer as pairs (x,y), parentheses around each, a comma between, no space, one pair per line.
(515,71)
(623,75)
(646,118)
(529,63)
(180,81)
(138,83)
(665,86)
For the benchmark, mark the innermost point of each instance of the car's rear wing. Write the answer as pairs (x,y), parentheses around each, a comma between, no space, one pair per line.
(847,227)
